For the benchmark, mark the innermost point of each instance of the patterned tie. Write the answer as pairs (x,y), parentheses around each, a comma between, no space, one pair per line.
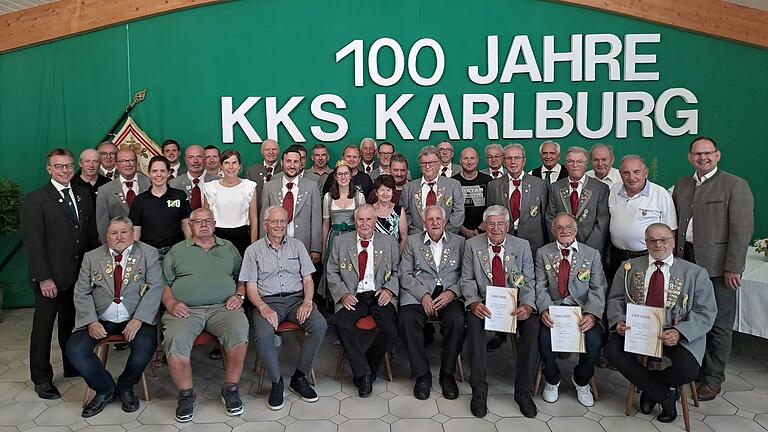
(497,269)
(495,173)
(269,173)
(548,177)
(131,195)
(655,297)
(110,174)
(514,200)
(288,202)
(562,274)
(574,198)
(197,200)
(444,171)
(118,277)
(368,168)
(68,200)
(362,258)
(431,196)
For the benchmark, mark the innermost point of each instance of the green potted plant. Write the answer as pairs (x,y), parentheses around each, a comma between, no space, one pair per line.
(10,204)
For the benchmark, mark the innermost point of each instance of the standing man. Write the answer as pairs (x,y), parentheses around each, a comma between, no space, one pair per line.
(400,172)
(116,197)
(430,277)
(584,198)
(447,167)
(508,262)
(635,204)
(263,172)
(494,156)
(58,228)
(172,151)
(684,291)
(362,278)
(107,154)
(320,163)
(550,170)
(301,199)
(602,165)
(363,182)
(385,152)
(212,162)
(368,160)
(121,298)
(191,182)
(721,204)
(89,175)
(432,189)
(474,187)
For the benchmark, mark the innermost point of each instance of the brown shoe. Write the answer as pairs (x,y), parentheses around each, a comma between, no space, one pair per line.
(707,392)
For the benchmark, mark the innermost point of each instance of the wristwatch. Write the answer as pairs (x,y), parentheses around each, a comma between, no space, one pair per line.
(242,297)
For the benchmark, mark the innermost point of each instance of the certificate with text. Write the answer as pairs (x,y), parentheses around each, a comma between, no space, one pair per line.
(645,326)
(502,302)
(565,335)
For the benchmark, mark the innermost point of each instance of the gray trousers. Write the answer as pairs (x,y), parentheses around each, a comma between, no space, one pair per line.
(719,338)
(314,329)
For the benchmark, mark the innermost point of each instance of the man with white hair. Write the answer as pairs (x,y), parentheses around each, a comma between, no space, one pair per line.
(368,162)
(602,165)
(550,170)
(494,157)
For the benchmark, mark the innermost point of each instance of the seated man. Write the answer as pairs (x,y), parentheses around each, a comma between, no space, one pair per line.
(201,295)
(362,279)
(499,259)
(117,293)
(277,271)
(685,291)
(569,273)
(430,273)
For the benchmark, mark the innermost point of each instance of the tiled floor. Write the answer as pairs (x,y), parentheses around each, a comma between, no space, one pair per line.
(743,406)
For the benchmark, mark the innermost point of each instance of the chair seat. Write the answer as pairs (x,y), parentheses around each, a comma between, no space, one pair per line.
(204,338)
(366,323)
(287,326)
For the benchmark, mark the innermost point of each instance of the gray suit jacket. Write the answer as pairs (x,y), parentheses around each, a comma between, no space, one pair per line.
(110,202)
(476,269)
(342,269)
(587,286)
(722,210)
(690,307)
(141,292)
(533,207)
(592,217)
(183,183)
(258,174)
(418,275)
(449,196)
(307,214)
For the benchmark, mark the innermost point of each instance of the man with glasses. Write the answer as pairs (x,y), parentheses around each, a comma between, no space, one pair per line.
(684,291)
(721,204)
(202,293)
(107,153)
(116,197)
(447,167)
(58,229)
(494,157)
(432,189)
(385,152)
(584,198)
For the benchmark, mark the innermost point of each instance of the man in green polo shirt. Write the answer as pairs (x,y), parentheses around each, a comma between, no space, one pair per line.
(202,294)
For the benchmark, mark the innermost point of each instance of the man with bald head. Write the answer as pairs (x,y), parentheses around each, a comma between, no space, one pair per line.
(89,175)
(116,197)
(602,165)
(107,155)
(447,167)
(191,182)
(474,186)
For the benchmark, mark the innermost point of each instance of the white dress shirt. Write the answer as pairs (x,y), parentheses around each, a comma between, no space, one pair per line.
(664,270)
(368,283)
(59,188)
(116,312)
(699,181)
(613,177)
(425,191)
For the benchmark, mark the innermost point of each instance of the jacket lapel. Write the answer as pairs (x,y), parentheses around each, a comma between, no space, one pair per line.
(301,195)
(57,198)
(426,252)
(586,194)
(353,256)
(566,198)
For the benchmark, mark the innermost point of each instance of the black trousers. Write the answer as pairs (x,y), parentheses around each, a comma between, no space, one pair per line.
(527,353)
(239,236)
(616,257)
(368,361)
(412,321)
(654,383)
(46,311)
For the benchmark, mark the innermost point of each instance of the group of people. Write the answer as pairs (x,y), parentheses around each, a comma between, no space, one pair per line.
(197,248)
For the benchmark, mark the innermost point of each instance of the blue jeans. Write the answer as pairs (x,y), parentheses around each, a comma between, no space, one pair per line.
(80,352)
(585,369)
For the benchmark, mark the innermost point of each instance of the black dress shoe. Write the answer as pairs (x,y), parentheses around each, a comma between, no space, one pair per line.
(479,405)
(365,385)
(129,400)
(525,402)
(47,391)
(422,387)
(449,386)
(668,407)
(97,404)
(646,404)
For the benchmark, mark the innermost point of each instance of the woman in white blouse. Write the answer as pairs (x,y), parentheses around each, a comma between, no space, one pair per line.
(234,203)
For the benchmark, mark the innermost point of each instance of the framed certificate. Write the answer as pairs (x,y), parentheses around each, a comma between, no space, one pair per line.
(502,302)
(566,336)
(645,326)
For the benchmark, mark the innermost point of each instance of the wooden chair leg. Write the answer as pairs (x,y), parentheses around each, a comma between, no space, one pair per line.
(388,366)
(313,377)
(460,367)
(694,394)
(145,387)
(261,379)
(684,403)
(537,382)
(630,400)
(339,364)
(593,384)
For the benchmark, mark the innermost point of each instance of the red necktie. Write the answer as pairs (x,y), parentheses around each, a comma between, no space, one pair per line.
(197,201)
(562,274)
(118,277)
(497,269)
(655,297)
(514,200)
(445,170)
(495,173)
(110,174)
(431,196)
(362,258)
(368,168)
(269,173)
(574,198)
(131,195)
(288,202)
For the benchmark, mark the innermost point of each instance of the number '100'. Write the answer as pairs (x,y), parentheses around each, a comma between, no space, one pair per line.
(355,47)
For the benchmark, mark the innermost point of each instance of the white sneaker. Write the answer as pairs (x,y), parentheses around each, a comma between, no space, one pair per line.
(584,394)
(550,393)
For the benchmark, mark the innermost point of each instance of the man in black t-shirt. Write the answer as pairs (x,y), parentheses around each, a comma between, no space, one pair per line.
(474,186)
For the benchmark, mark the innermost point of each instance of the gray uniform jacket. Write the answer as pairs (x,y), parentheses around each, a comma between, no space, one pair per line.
(258,174)
(110,202)
(690,306)
(586,282)
(533,207)
(343,270)
(476,269)
(183,183)
(449,196)
(141,291)
(307,213)
(592,217)
(418,275)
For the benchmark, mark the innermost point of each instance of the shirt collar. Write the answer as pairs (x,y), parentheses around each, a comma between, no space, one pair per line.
(359,239)
(573,247)
(522,174)
(201,176)
(269,242)
(555,169)
(705,177)
(669,260)
(191,242)
(273,166)
(126,252)
(646,192)
(428,239)
(581,181)
(491,244)
(424,180)
(60,186)
(295,180)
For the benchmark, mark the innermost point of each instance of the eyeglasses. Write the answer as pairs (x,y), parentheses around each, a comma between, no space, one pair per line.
(576,162)
(126,161)
(343,174)
(705,153)
(658,242)
(560,228)
(427,164)
(111,154)
(493,156)
(445,150)
(278,221)
(492,225)
(67,166)
(202,221)
(514,158)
